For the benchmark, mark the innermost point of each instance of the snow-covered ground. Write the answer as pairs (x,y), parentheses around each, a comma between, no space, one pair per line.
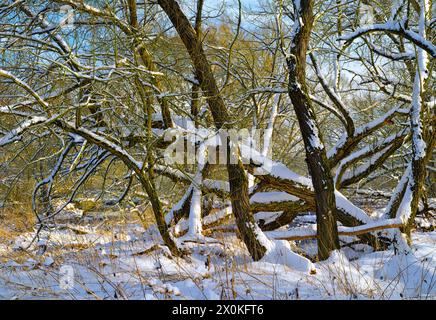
(124,262)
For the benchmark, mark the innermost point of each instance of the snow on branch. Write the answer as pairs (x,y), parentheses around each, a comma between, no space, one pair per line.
(104,143)
(11,109)
(345,142)
(25,86)
(16,133)
(374,161)
(310,232)
(334,97)
(272,196)
(377,153)
(395,56)
(284,179)
(392,27)
(50,178)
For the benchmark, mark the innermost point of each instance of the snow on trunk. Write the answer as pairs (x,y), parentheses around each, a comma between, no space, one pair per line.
(270,127)
(195,226)
(418,144)
(195,223)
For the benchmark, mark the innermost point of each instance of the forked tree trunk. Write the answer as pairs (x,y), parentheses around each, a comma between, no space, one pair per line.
(237,177)
(316,157)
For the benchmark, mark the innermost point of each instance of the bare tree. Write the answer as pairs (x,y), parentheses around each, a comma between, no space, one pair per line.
(80,103)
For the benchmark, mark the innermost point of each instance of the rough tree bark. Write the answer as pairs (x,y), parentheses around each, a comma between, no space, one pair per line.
(316,157)
(237,177)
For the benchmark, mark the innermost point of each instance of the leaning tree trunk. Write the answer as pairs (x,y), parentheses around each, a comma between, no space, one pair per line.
(315,151)
(237,177)
(164,231)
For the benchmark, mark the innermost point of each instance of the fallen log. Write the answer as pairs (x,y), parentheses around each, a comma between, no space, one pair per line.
(303,233)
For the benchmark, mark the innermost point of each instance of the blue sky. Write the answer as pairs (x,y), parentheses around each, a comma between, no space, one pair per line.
(212,7)
(229,5)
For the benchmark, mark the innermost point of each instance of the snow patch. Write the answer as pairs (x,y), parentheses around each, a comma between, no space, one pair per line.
(280,252)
